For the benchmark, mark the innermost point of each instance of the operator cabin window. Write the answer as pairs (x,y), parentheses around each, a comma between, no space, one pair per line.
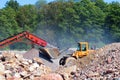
(78,47)
(81,47)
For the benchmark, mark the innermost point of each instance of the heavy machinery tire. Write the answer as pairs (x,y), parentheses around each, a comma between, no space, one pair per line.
(62,61)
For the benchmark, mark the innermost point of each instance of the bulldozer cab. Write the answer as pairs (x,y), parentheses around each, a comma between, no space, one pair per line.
(82,46)
(82,50)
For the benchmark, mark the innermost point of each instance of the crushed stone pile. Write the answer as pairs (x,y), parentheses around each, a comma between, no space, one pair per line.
(15,67)
(103,64)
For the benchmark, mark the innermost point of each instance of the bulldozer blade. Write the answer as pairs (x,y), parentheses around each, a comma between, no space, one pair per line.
(50,52)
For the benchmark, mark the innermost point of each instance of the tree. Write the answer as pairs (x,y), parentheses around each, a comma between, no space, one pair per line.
(40,3)
(100,3)
(27,17)
(63,22)
(13,4)
(91,21)
(8,23)
(112,22)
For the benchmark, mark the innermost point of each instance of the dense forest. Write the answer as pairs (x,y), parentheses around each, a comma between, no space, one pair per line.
(63,23)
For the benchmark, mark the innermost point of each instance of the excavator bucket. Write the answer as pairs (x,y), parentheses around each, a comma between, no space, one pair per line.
(50,52)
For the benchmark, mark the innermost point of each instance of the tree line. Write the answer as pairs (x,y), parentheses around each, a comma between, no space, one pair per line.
(63,23)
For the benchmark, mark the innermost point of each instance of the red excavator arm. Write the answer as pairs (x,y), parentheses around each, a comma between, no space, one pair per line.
(16,38)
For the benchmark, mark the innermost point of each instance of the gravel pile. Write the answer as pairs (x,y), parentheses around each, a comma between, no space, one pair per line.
(15,67)
(103,64)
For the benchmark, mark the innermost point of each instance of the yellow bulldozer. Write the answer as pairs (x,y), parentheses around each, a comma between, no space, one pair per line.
(82,50)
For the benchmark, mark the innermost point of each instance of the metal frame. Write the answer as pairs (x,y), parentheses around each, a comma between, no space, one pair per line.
(20,36)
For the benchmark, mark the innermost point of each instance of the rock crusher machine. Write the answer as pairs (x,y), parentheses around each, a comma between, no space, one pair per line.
(49,52)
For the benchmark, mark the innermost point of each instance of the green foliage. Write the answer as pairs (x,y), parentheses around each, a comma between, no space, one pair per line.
(40,3)
(8,22)
(26,17)
(13,4)
(112,22)
(100,3)
(63,23)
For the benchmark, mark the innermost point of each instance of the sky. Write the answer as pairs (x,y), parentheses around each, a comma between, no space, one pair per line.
(23,2)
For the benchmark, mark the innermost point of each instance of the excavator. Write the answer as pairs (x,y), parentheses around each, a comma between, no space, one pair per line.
(82,50)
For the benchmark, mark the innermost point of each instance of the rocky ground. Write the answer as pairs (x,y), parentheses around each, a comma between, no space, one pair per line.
(102,64)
